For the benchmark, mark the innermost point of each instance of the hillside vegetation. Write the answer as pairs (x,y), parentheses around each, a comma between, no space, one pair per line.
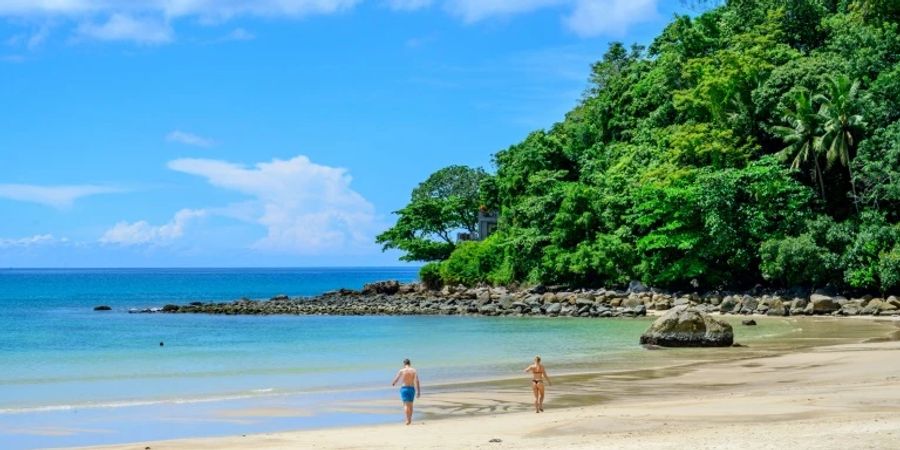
(758,142)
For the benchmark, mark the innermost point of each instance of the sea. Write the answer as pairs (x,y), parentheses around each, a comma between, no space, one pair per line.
(72,376)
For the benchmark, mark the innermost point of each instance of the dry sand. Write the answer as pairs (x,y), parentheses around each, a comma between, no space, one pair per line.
(845,396)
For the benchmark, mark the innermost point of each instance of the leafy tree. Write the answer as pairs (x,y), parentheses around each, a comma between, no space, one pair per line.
(841,121)
(803,136)
(878,171)
(444,203)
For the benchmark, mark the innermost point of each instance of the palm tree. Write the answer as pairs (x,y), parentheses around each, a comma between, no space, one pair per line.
(839,114)
(802,136)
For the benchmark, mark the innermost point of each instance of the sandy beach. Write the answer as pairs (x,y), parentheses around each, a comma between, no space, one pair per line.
(837,396)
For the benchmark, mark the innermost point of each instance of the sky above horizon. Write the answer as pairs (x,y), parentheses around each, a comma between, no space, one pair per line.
(237,133)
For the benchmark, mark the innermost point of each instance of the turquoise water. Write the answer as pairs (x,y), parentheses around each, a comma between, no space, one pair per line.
(73,376)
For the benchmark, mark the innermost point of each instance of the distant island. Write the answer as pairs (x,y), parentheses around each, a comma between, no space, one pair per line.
(757,144)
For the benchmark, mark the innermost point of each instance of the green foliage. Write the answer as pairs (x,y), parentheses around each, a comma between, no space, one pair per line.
(430,275)
(477,262)
(877,170)
(796,261)
(889,270)
(446,202)
(756,142)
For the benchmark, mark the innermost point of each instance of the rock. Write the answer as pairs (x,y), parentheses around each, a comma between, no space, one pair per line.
(681,301)
(554,309)
(748,322)
(631,302)
(636,287)
(389,287)
(639,310)
(886,306)
(683,326)
(170,308)
(777,308)
(488,309)
(728,304)
(749,304)
(495,440)
(851,309)
(873,307)
(102,308)
(280,297)
(894,301)
(823,304)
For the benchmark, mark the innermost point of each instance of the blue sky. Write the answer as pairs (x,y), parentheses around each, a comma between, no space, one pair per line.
(271,132)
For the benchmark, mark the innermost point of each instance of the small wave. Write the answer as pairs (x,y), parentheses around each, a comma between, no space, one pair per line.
(256,393)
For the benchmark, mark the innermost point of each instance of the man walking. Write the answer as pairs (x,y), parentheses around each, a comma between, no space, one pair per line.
(409,388)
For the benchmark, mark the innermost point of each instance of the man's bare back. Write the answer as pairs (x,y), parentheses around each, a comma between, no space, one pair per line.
(407,376)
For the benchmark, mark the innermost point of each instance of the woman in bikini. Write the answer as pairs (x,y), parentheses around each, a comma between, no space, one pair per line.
(538,375)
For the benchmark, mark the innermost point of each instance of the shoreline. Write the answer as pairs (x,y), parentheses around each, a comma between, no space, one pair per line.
(629,404)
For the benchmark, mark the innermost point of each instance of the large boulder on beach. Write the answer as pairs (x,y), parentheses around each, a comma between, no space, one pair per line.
(823,304)
(684,326)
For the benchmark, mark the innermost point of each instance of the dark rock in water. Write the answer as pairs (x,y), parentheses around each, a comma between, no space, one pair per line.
(102,308)
(748,322)
(684,326)
(196,303)
(389,287)
(170,308)
(636,287)
(280,297)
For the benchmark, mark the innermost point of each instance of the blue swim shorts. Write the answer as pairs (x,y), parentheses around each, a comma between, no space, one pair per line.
(407,394)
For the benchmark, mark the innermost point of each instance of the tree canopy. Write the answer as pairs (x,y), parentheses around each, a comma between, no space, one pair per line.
(758,142)
(445,203)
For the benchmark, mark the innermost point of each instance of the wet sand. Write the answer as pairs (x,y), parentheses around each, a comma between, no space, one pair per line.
(830,384)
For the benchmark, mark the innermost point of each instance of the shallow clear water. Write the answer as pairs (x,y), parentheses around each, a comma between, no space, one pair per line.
(73,376)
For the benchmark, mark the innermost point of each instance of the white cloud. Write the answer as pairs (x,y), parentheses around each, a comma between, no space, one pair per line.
(609,17)
(183,137)
(124,27)
(61,197)
(149,21)
(31,241)
(174,8)
(141,232)
(306,208)
(476,10)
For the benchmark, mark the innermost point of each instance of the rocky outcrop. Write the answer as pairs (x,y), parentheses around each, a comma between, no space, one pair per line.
(684,326)
(389,287)
(394,298)
(823,304)
(102,308)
